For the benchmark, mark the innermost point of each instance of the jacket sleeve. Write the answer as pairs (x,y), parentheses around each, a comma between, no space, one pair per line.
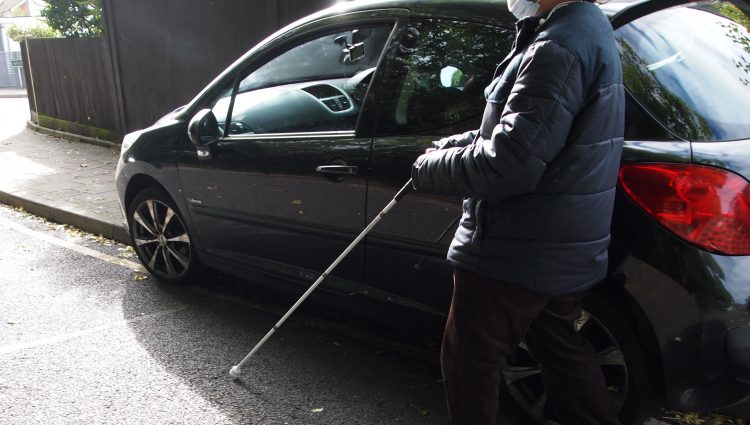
(457,141)
(533,129)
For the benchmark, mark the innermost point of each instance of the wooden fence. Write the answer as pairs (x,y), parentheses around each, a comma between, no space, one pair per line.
(154,57)
(164,52)
(72,87)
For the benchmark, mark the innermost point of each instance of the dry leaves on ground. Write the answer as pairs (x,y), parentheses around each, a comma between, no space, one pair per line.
(683,418)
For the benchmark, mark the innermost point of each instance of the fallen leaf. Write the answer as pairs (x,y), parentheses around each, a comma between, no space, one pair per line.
(99,239)
(689,418)
(139,277)
(126,252)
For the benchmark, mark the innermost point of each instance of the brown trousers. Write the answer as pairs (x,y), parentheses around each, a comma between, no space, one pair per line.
(487,321)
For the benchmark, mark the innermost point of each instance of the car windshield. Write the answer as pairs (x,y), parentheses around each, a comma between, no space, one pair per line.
(690,66)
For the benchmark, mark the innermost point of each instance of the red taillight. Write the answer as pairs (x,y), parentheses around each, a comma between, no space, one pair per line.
(706,206)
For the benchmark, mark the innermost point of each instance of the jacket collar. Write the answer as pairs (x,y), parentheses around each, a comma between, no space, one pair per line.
(549,16)
(526,30)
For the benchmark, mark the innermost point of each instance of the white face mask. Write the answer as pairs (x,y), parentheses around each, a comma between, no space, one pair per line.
(523,8)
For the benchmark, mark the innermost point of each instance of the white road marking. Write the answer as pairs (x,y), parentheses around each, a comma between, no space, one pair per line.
(120,262)
(64,337)
(91,253)
(132,265)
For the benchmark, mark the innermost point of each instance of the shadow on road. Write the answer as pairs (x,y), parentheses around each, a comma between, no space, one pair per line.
(300,371)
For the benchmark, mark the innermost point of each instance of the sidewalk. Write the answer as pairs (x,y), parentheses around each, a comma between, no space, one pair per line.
(66,182)
(12,92)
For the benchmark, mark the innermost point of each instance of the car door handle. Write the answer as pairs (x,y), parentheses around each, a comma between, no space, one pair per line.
(337,169)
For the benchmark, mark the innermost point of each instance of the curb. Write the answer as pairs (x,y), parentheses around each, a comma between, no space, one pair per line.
(110,229)
(72,137)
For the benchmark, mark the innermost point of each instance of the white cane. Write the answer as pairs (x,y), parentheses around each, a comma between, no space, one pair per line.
(236,370)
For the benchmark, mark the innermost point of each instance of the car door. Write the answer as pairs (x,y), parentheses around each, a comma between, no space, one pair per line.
(283,191)
(432,87)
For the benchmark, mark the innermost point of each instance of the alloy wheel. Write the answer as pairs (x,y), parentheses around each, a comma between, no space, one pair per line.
(161,239)
(523,376)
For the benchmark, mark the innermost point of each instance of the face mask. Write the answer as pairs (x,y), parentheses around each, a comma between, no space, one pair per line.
(523,8)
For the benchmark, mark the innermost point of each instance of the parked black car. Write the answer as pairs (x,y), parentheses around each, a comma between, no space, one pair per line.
(295,147)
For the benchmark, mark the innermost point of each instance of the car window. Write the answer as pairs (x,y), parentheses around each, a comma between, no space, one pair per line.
(640,125)
(437,75)
(316,85)
(220,105)
(696,81)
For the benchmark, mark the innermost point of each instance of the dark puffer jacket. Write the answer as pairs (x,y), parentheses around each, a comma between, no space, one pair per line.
(539,176)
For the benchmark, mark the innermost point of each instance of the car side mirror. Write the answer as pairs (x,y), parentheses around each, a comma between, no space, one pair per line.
(203,129)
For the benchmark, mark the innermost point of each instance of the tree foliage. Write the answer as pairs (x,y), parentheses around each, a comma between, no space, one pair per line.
(75,18)
(18,33)
(734,13)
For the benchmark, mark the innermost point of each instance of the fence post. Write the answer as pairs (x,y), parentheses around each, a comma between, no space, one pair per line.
(30,89)
(110,36)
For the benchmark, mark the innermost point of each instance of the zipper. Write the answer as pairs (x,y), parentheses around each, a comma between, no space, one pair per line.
(476,237)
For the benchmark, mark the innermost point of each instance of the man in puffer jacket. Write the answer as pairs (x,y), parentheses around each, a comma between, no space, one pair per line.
(538,181)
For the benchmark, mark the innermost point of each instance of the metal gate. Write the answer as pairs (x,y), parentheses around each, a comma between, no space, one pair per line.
(11,70)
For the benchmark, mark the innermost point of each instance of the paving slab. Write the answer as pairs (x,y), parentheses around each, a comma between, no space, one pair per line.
(65,181)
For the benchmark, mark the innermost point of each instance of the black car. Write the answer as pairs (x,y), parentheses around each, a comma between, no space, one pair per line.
(280,162)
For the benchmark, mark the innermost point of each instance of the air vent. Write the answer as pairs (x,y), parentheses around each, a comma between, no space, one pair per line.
(330,96)
(323,91)
(337,104)
(333,105)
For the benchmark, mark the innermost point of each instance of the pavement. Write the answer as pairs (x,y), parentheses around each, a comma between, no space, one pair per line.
(6,92)
(66,182)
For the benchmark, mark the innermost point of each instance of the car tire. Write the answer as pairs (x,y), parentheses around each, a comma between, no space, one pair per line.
(626,366)
(160,237)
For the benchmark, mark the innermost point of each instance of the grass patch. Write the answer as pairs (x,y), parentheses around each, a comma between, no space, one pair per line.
(79,129)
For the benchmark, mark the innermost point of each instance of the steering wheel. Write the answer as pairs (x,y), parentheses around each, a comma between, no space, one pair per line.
(360,82)
(238,127)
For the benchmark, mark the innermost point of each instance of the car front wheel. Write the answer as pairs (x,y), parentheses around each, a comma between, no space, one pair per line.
(160,237)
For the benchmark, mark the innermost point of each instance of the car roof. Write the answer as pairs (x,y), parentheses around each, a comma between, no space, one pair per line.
(487,11)
(482,10)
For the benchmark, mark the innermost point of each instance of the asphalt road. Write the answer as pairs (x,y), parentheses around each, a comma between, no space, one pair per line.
(86,340)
